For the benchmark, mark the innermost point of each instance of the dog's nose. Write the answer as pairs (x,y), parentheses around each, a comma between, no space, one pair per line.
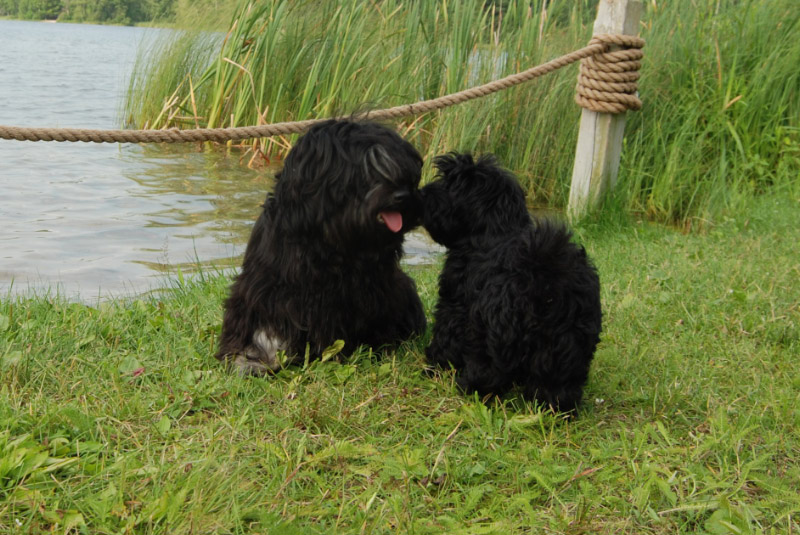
(400,196)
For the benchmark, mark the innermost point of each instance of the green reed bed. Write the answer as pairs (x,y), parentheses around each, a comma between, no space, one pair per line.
(722,119)
(115,417)
(720,83)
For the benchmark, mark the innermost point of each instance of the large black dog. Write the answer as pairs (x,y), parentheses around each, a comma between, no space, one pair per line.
(519,303)
(322,263)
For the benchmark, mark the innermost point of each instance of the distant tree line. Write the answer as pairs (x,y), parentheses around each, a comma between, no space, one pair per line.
(107,11)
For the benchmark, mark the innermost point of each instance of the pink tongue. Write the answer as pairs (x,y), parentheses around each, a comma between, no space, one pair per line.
(393,220)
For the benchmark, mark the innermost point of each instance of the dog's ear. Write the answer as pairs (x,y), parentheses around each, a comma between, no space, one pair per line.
(299,188)
(453,163)
(504,205)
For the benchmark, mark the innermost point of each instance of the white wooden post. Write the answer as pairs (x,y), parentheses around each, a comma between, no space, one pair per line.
(600,136)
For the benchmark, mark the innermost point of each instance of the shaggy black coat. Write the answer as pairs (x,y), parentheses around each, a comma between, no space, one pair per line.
(322,262)
(519,303)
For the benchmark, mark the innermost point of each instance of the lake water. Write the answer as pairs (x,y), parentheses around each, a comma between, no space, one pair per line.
(102,220)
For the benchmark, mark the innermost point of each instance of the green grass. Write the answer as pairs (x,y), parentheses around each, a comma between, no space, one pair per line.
(115,418)
(720,85)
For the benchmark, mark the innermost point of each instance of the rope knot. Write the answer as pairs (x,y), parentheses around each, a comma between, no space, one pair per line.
(607,79)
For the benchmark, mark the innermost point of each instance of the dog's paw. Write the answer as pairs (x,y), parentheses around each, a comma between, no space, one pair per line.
(262,356)
(245,366)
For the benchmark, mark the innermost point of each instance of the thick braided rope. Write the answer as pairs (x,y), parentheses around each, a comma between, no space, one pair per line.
(598,46)
(607,81)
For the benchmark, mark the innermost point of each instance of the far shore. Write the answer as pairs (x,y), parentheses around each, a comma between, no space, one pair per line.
(152,24)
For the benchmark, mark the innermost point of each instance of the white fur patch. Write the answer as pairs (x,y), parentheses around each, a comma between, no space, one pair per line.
(266,349)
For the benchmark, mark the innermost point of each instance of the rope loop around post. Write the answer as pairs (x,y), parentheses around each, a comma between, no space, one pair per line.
(607,80)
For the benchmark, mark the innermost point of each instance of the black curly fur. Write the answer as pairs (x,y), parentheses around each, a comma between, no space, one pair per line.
(321,264)
(519,303)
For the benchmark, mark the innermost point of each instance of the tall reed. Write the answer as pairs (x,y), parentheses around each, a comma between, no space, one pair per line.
(722,117)
(720,86)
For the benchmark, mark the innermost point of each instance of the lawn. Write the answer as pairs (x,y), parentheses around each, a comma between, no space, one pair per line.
(115,418)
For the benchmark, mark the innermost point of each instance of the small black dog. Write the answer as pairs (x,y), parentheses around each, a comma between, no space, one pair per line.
(322,263)
(518,302)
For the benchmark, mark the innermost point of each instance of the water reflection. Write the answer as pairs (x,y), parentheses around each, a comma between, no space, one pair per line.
(127,221)
(204,190)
